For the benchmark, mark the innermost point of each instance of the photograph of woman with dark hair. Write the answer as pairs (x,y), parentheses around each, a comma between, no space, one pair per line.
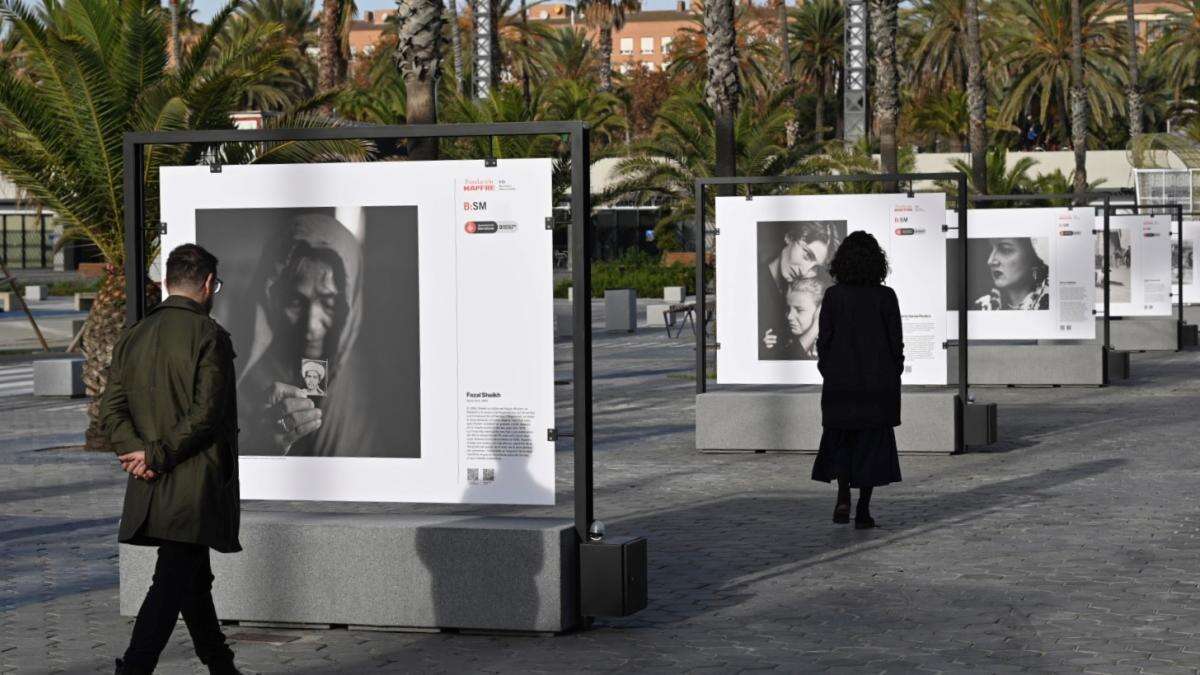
(1020,277)
(860,353)
(789,251)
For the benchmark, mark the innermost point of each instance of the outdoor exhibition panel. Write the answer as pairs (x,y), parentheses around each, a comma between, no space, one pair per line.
(384,295)
(1140,264)
(1034,274)
(366,288)
(772,256)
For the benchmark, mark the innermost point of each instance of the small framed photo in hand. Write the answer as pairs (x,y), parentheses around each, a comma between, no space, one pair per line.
(314,372)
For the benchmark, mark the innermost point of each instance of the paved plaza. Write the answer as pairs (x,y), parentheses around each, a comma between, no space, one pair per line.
(1071,546)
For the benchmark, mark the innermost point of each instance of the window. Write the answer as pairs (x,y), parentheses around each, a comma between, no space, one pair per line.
(647,45)
(666,45)
(626,46)
(651,66)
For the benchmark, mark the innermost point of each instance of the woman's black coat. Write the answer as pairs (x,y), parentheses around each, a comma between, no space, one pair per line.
(860,353)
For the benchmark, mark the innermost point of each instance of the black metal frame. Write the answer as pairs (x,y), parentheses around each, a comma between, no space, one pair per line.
(960,180)
(581,240)
(1106,197)
(1177,209)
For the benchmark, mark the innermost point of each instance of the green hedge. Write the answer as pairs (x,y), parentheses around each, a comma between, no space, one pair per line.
(73,287)
(637,270)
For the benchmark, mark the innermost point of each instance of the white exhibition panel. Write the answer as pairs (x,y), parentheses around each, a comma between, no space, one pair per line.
(1191,236)
(486,352)
(1031,273)
(1140,277)
(750,235)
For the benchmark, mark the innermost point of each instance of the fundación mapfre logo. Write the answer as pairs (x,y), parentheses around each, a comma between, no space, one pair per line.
(901,217)
(489,227)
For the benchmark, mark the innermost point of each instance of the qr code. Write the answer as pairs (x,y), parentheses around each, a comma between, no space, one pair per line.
(477,475)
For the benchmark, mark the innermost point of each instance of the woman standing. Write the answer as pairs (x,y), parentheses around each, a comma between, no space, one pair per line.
(860,354)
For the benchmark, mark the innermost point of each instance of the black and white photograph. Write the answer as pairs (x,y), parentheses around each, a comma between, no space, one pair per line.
(325,327)
(313,371)
(793,264)
(1189,263)
(1120,255)
(1006,274)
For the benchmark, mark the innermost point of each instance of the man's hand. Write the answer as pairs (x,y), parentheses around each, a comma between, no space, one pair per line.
(770,339)
(134,463)
(293,414)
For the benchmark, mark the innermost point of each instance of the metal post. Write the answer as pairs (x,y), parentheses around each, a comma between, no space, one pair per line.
(42,218)
(963,310)
(1179,277)
(1106,265)
(24,242)
(701,299)
(855,70)
(135,234)
(581,275)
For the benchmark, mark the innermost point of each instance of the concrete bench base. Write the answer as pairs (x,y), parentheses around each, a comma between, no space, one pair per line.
(58,377)
(1143,333)
(564,324)
(36,293)
(620,310)
(84,302)
(6,301)
(791,420)
(396,571)
(1039,364)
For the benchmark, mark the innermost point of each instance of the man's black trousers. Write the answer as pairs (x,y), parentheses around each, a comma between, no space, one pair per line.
(182,584)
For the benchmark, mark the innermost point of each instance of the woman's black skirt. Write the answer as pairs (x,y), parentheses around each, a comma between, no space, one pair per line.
(867,457)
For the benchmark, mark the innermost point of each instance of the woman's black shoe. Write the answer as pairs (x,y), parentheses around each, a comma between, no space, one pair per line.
(864,523)
(841,513)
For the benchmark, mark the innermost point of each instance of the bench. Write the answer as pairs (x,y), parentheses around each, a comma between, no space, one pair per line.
(688,311)
(6,301)
(36,293)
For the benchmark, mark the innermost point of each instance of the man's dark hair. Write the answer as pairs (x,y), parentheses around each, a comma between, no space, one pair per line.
(188,266)
(859,261)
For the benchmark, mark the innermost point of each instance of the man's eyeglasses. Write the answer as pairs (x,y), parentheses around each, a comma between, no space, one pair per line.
(217,286)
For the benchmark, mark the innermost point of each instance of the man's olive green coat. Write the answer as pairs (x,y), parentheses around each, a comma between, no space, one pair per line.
(171,392)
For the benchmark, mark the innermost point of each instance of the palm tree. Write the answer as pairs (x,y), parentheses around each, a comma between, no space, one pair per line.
(976,97)
(816,36)
(606,16)
(722,87)
(63,120)
(1133,87)
(664,168)
(1178,50)
(1038,47)
(1000,178)
(332,61)
(785,56)
(1079,98)
(689,55)
(884,23)
(294,79)
(564,54)
(943,116)
(419,58)
(176,39)
(456,45)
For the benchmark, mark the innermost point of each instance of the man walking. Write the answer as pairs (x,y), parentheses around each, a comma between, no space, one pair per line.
(170,412)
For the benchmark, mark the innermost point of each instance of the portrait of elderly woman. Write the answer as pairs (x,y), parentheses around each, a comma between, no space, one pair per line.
(788,252)
(325,326)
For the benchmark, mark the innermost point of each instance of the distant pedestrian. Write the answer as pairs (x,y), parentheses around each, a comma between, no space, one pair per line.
(170,412)
(861,357)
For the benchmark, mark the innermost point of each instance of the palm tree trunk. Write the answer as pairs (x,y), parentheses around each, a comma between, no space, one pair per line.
(419,56)
(887,96)
(330,48)
(605,38)
(976,99)
(723,88)
(785,67)
(1079,111)
(456,45)
(176,40)
(819,108)
(1134,92)
(525,55)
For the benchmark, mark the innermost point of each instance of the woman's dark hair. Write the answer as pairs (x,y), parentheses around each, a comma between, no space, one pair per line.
(859,261)
(1038,269)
